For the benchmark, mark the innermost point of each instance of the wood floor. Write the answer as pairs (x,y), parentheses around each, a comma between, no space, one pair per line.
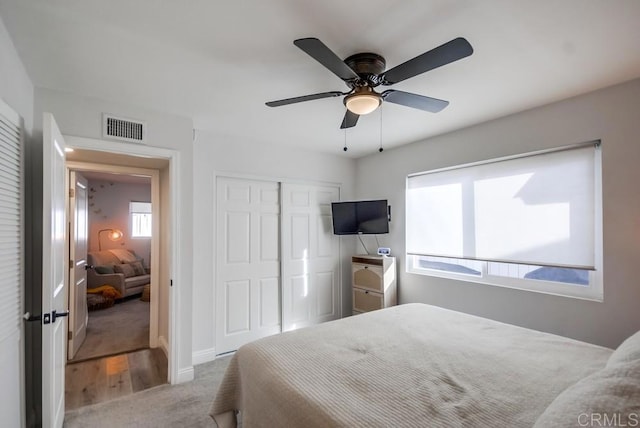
(103,379)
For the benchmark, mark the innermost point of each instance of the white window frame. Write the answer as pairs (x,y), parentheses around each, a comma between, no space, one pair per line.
(132,214)
(593,291)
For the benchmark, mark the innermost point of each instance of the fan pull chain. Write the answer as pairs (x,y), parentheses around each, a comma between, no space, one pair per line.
(345,140)
(380,149)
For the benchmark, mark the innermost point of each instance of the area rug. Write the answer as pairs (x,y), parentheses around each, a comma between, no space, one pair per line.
(183,405)
(121,328)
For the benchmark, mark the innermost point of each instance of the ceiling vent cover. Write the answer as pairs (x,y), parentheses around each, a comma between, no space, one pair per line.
(119,128)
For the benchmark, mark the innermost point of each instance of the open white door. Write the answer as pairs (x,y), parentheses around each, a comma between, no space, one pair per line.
(78,316)
(54,296)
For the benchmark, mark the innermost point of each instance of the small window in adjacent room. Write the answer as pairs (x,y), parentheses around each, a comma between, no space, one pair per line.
(531,222)
(140,213)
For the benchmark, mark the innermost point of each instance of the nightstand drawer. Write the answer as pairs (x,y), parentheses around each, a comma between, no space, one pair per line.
(368,276)
(365,300)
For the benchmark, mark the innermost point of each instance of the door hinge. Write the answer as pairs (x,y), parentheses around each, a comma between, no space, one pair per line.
(171,282)
(70,264)
(70,335)
(72,193)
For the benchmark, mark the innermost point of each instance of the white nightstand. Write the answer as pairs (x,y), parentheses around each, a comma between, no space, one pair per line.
(373,281)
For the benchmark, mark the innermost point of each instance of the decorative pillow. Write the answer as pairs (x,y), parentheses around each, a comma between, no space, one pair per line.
(125,256)
(126,269)
(628,351)
(611,394)
(104,269)
(138,268)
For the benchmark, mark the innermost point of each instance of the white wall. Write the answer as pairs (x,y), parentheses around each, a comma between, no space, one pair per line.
(16,90)
(109,209)
(82,116)
(612,115)
(225,155)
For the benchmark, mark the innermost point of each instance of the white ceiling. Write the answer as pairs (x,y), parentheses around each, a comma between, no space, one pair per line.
(218,62)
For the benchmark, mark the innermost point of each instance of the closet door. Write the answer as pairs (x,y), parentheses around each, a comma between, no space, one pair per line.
(248,261)
(310,256)
(11,266)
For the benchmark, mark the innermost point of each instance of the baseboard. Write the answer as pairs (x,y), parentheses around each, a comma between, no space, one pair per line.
(186,374)
(203,356)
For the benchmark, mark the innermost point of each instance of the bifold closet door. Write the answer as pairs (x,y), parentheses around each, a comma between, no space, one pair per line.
(248,261)
(11,264)
(310,256)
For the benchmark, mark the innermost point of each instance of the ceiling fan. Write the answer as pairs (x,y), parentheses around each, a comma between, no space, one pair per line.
(363,72)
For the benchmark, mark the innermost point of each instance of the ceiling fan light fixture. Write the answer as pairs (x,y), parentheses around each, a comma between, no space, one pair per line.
(363,101)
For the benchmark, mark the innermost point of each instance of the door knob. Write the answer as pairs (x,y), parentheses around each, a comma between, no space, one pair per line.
(55,315)
(30,317)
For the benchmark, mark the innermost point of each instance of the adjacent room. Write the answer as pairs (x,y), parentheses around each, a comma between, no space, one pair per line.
(310,214)
(114,336)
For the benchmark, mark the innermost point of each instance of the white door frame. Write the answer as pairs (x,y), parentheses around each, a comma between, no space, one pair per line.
(154,174)
(173,156)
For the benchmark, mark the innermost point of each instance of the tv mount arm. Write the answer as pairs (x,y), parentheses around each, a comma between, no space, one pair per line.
(362,242)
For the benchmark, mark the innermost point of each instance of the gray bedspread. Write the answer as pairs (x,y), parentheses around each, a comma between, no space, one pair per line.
(412,365)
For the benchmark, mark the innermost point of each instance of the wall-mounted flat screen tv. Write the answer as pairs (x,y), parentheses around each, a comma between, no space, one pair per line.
(360,217)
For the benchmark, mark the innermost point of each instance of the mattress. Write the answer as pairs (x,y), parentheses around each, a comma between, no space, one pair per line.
(409,365)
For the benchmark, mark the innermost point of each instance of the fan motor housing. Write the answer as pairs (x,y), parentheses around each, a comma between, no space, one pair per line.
(366,65)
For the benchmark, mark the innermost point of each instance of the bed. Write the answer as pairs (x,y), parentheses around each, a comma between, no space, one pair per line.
(421,365)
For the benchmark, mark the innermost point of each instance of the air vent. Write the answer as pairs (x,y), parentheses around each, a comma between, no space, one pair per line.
(123,129)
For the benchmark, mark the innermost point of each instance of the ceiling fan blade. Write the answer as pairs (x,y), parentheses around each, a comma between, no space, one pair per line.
(408,99)
(325,56)
(303,98)
(350,120)
(442,55)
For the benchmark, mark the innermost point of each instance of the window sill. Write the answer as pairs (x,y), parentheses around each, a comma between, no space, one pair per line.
(591,292)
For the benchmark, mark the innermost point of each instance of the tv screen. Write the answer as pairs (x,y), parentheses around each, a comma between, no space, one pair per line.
(355,217)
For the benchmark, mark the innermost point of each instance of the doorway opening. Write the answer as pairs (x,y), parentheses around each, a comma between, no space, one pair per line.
(116,346)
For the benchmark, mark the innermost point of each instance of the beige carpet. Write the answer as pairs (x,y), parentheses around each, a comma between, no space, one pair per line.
(121,328)
(184,405)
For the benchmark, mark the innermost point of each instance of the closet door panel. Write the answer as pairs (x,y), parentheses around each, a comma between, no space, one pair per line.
(247,261)
(311,256)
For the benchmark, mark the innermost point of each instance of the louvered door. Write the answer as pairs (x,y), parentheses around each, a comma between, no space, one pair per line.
(11,264)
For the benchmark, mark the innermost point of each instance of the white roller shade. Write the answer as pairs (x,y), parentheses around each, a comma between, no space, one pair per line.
(140,207)
(536,209)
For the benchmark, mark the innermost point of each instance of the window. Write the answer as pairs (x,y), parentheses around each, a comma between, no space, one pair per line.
(140,219)
(531,222)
